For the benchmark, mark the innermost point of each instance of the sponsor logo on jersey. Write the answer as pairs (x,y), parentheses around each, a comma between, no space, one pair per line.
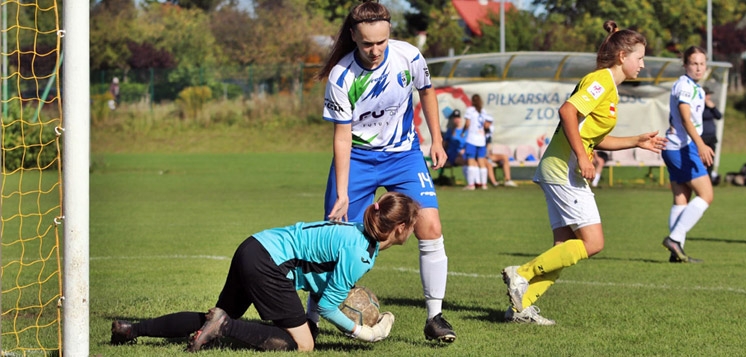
(595,89)
(332,105)
(612,109)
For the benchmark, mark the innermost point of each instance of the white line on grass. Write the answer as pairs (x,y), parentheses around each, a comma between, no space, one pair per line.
(455,273)
(593,283)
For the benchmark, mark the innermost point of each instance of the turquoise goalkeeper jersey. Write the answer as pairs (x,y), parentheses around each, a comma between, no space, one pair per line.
(323,258)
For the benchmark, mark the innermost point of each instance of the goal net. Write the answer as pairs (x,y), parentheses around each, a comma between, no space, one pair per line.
(31,178)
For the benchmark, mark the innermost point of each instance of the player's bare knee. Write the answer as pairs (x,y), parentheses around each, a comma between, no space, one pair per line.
(304,346)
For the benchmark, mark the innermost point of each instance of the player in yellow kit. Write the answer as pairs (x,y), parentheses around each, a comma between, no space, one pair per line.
(586,119)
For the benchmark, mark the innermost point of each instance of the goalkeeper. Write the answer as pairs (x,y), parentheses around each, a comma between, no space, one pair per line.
(324,258)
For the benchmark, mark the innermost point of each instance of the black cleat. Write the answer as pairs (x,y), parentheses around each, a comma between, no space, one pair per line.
(439,329)
(677,253)
(211,330)
(122,332)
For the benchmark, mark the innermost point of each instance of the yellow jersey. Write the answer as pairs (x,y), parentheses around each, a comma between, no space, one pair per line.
(596,99)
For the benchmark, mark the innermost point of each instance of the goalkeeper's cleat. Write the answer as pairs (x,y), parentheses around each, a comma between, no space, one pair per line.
(517,286)
(122,332)
(439,329)
(216,318)
(529,315)
(677,253)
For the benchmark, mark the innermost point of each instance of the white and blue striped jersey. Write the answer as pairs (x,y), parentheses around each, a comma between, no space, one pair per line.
(684,90)
(378,102)
(323,258)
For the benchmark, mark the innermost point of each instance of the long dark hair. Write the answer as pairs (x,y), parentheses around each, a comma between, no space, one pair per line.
(391,210)
(692,50)
(368,11)
(617,41)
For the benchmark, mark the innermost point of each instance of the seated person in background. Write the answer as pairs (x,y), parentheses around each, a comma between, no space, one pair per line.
(455,142)
(599,160)
(495,160)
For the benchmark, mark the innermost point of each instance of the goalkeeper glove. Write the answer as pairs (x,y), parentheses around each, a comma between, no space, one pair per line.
(376,333)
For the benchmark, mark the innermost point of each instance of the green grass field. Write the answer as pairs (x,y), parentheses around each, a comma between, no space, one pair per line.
(164,226)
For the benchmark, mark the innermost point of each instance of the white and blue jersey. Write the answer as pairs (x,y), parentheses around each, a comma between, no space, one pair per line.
(323,258)
(378,105)
(476,134)
(684,90)
(378,102)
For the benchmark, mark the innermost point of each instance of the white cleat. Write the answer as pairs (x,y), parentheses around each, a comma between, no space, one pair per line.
(517,286)
(529,315)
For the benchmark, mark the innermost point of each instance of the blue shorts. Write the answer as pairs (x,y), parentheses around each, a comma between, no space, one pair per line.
(684,164)
(475,152)
(453,155)
(404,172)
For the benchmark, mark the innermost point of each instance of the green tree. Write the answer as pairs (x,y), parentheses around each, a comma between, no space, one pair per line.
(333,11)
(662,23)
(111,26)
(520,33)
(182,33)
(444,33)
(204,5)
(421,17)
(278,32)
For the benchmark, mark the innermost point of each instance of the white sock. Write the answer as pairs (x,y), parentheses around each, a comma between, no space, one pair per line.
(674,215)
(688,218)
(483,175)
(473,175)
(596,179)
(434,273)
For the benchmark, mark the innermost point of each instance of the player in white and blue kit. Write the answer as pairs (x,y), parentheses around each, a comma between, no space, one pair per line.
(686,155)
(324,258)
(369,98)
(478,124)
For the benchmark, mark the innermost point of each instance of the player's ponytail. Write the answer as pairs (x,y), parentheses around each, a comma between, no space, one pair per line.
(616,42)
(391,210)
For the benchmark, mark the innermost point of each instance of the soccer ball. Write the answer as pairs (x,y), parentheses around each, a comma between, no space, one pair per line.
(361,306)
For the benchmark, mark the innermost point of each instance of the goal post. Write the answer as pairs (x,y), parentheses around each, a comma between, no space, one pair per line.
(44,209)
(76,164)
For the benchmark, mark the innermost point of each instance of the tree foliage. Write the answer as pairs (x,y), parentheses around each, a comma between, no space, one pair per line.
(204,5)
(665,25)
(279,32)
(520,33)
(422,18)
(111,23)
(190,35)
(446,35)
